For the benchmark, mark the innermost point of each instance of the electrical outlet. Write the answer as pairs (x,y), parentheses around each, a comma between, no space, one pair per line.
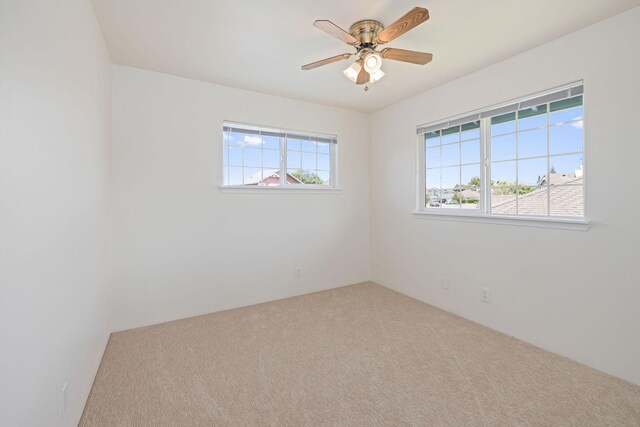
(446,285)
(485,294)
(63,399)
(297,272)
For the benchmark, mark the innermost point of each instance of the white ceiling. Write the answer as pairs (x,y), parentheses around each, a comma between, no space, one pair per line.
(260,45)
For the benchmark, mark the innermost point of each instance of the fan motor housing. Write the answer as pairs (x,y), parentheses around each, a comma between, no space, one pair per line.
(366,31)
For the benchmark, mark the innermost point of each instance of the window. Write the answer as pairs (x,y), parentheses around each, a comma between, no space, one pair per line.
(522,160)
(453,167)
(260,157)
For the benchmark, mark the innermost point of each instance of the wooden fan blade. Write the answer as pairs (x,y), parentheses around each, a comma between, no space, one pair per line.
(410,20)
(412,56)
(337,32)
(363,77)
(326,61)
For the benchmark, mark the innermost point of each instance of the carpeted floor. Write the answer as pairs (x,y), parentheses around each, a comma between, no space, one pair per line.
(359,355)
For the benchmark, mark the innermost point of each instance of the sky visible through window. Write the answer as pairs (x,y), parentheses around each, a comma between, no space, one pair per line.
(531,150)
(251,159)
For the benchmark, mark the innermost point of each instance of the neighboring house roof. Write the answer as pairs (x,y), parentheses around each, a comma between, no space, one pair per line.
(264,174)
(565,194)
(469,193)
(558,178)
(261,175)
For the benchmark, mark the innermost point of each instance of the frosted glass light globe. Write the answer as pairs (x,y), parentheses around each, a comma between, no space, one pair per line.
(372,62)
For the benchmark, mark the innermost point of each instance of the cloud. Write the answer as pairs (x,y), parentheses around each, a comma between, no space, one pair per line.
(577,125)
(252,140)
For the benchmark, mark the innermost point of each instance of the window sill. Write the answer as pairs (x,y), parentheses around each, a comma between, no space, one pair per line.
(239,189)
(557,223)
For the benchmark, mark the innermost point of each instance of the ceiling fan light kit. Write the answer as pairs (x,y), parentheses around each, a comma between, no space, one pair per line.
(372,62)
(376,76)
(352,71)
(365,36)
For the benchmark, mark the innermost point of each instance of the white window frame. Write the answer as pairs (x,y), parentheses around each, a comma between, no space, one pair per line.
(483,213)
(285,186)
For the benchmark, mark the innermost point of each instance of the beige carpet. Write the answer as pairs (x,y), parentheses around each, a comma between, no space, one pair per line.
(359,355)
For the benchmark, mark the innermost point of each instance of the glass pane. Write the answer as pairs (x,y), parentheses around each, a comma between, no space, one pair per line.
(324,162)
(532,171)
(297,176)
(251,176)
(470,131)
(567,200)
(532,143)
(469,198)
(532,201)
(271,142)
(432,139)
(566,115)
(503,201)
(432,198)
(470,126)
(564,104)
(324,148)
(433,157)
(294,160)
(432,179)
(225,175)
(566,138)
(471,176)
(235,175)
(450,177)
(308,161)
(503,147)
(566,169)
(528,119)
(293,144)
(235,155)
(503,124)
(451,134)
(270,177)
(471,151)
(450,154)
(536,111)
(294,176)
(325,176)
(309,146)
(448,198)
(252,140)
(503,174)
(252,157)
(271,159)
(236,139)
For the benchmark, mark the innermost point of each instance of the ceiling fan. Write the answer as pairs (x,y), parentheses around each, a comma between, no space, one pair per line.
(365,36)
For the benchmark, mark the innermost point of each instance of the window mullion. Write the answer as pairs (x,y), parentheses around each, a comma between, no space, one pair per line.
(261,159)
(461,188)
(503,120)
(283,162)
(517,163)
(548,162)
(485,175)
(421,180)
(333,178)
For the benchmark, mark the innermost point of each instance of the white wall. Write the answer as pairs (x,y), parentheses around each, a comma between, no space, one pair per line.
(182,247)
(55,126)
(574,293)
